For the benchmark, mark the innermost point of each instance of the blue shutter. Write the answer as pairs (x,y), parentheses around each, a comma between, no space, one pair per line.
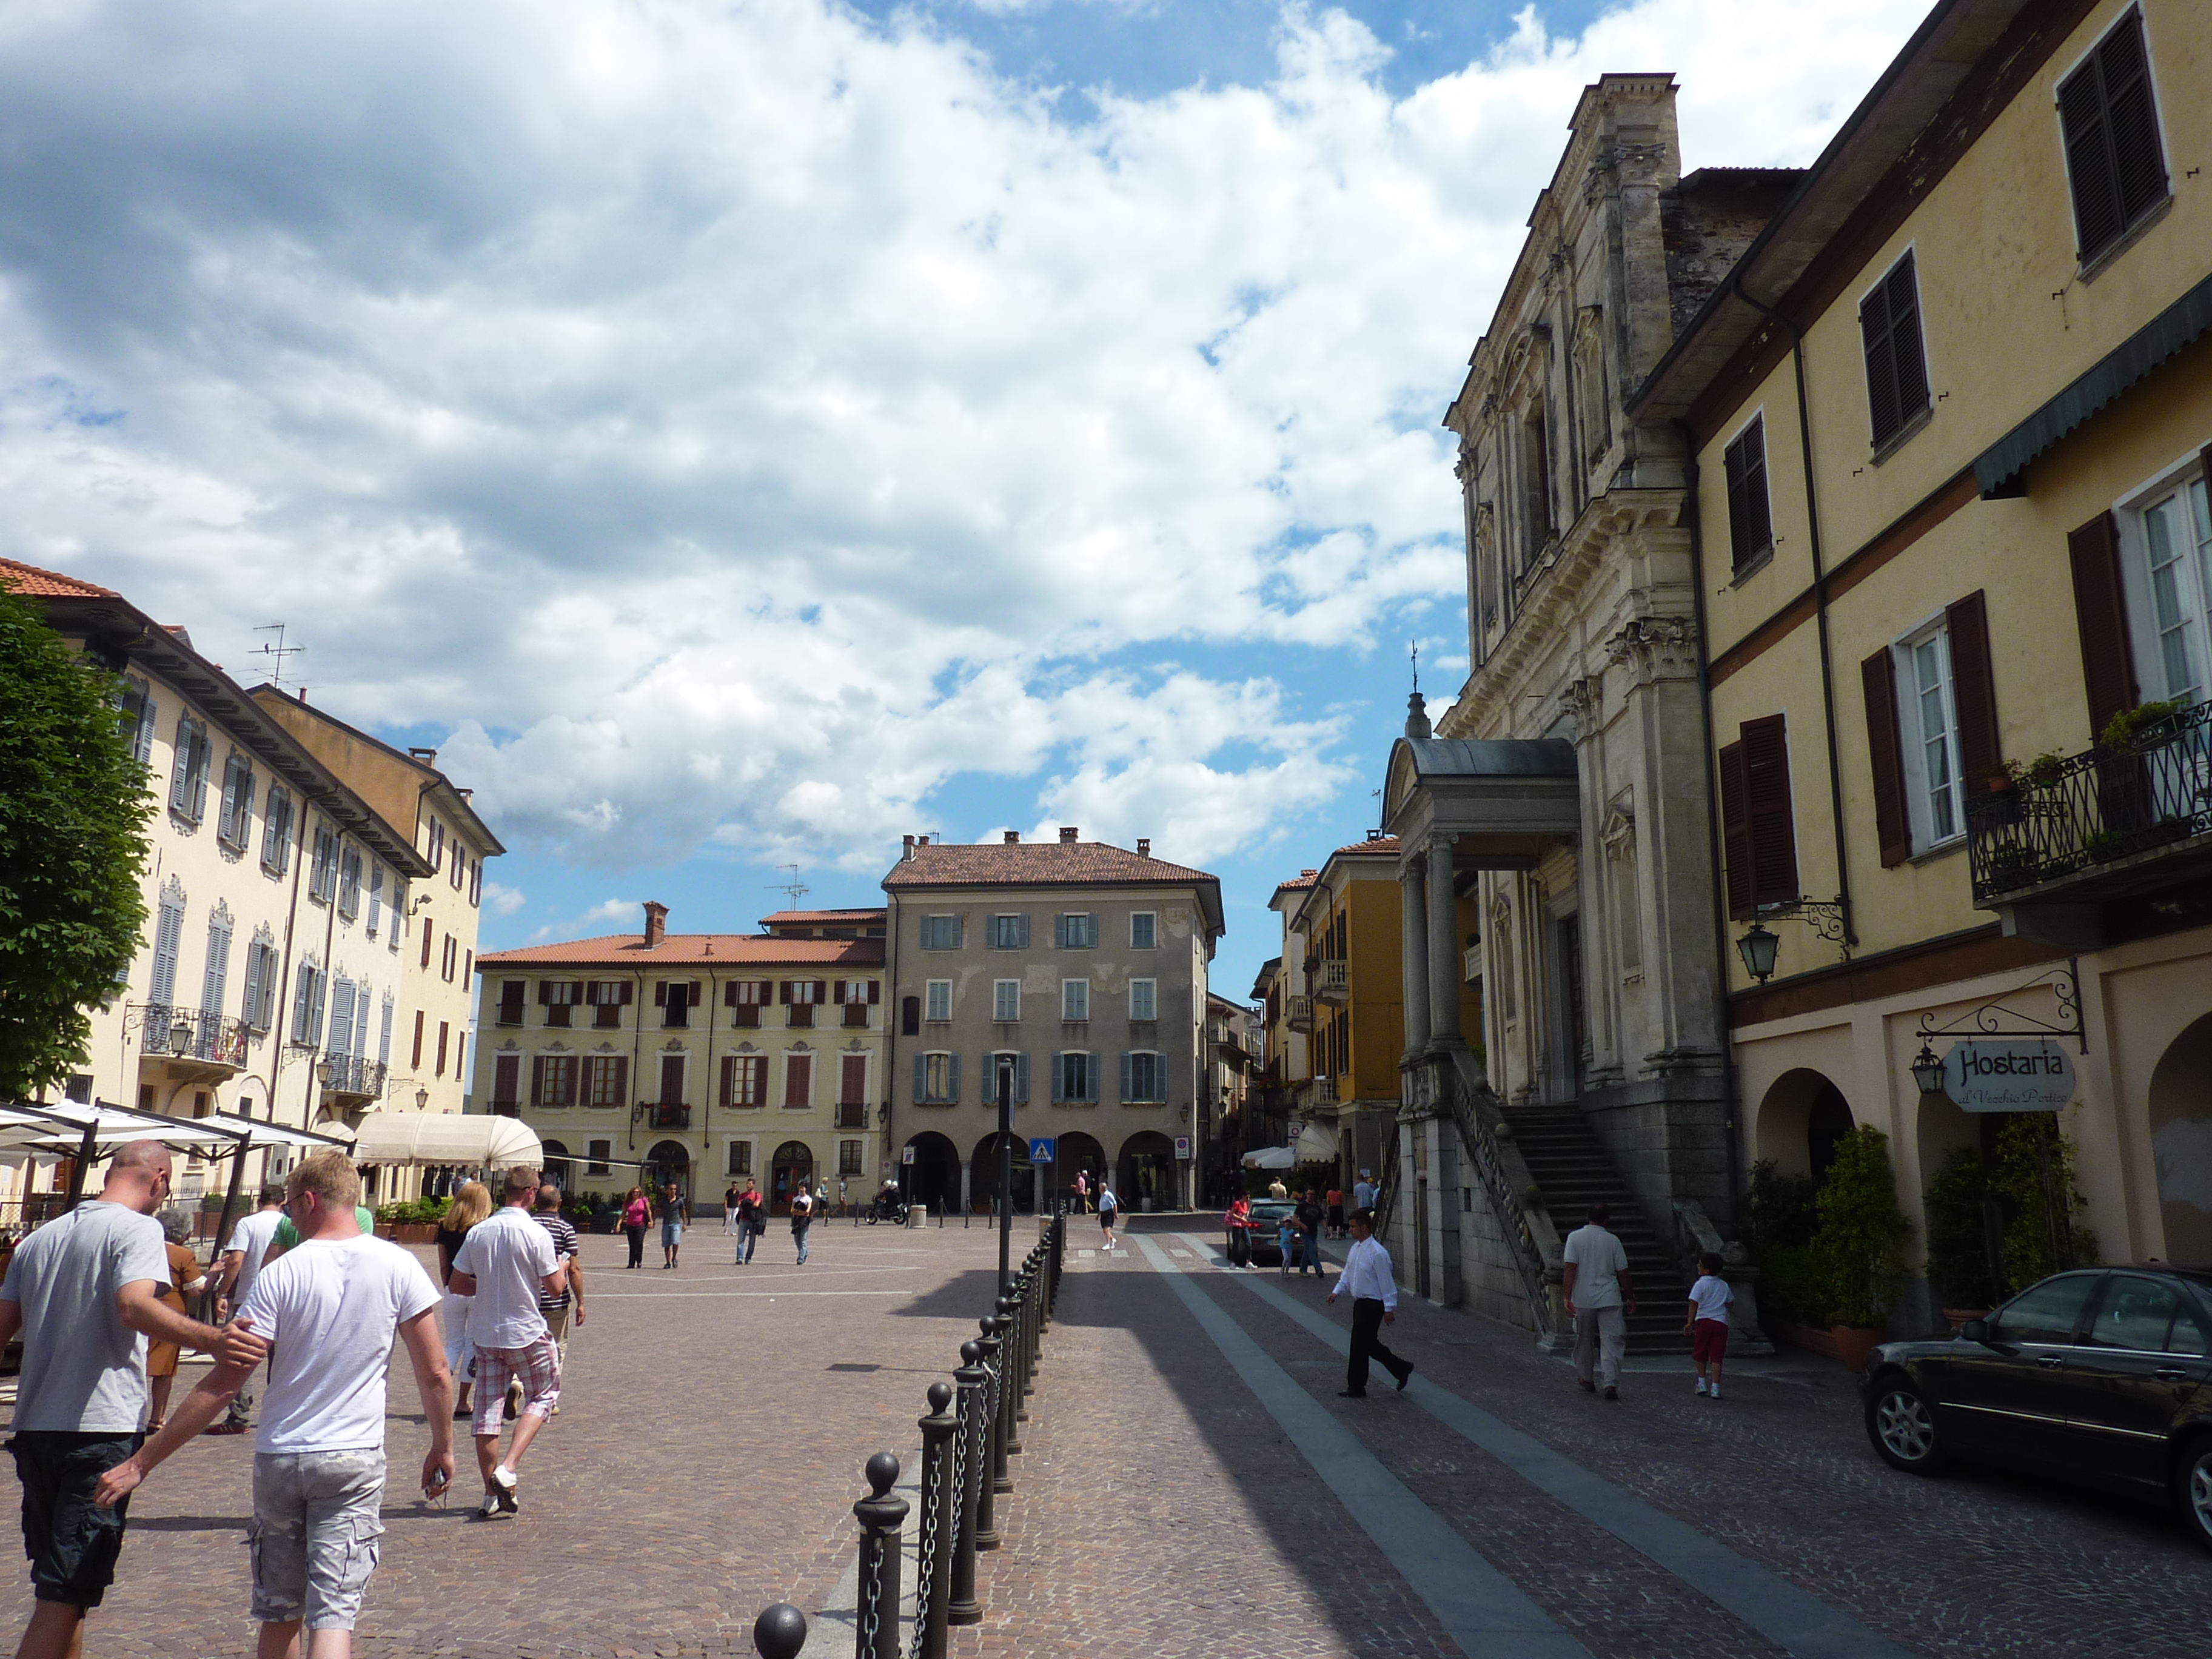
(181,764)
(1022,932)
(384,1038)
(200,752)
(1021,1079)
(303,1001)
(142,740)
(250,1005)
(1128,1066)
(952,1077)
(920,1079)
(215,978)
(1059,931)
(342,1017)
(228,823)
(167,931)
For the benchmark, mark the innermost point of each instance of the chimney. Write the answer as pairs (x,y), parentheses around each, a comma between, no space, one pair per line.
(656,924)
(906,854)
(1067,834)
(1013,837)
(427,756)
(1144,846)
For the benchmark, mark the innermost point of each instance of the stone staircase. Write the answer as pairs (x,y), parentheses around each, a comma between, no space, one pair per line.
(1572,1170)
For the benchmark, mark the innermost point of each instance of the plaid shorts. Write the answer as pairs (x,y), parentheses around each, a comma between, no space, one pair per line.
(538,1366)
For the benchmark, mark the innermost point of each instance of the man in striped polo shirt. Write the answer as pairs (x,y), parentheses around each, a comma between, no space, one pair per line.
(557,1308)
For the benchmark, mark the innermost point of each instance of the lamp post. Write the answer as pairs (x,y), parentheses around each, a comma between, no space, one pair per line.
(180,1037)
(1757,948)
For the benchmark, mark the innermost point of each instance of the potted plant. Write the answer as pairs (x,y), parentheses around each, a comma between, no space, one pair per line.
(2130,726)
(2102,846)
(1958,1243)
(2035,1177)
(1860,1242)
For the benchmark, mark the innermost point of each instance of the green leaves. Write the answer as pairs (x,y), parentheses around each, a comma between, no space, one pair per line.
(1860,1242)
(73,812)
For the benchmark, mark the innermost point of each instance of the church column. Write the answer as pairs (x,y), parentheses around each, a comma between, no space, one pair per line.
(1415,971)
(1443,943)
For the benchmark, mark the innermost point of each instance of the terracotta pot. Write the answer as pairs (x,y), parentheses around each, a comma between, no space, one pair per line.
(1855,1344)
(417,1232)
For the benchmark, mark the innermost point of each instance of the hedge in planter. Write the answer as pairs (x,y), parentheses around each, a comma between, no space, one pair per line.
(1860,1242)
(1958,1252)
(2035,1174)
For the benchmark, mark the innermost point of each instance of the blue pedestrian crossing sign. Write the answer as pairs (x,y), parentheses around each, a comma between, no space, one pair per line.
(1041,1152)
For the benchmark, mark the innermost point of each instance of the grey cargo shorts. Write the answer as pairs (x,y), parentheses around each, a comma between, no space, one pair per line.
(314,1533)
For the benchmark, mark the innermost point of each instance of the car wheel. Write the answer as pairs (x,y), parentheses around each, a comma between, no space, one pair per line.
(1902,1427)
(2192,1488)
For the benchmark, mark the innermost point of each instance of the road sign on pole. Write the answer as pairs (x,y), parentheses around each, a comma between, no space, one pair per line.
(1042,1152)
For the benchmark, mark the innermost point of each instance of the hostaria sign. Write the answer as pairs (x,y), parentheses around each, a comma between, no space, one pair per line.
(2009,1077)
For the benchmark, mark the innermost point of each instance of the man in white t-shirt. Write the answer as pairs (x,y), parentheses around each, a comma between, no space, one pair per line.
(241,1262)
(329,1309)
(505,1262)
(1600,1299)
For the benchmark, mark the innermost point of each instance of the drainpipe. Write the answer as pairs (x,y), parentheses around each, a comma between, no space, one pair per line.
(1729,1080)
(1820,607)
(280,1017)
(637,1057)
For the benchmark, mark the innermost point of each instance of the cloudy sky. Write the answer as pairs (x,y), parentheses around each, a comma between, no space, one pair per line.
(738,434)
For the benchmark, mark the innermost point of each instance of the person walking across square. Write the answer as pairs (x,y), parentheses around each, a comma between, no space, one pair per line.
(635,1215)
(802,1219)
(1600,1298)
(84,1291)
(184,1276)
(752,1224)
(1373,1288)
(329,1310)
(558,1309)
(507,1262)
(1110,1210)
(671,1222)
(240,1261)
(1311,1217)
(1707,1323)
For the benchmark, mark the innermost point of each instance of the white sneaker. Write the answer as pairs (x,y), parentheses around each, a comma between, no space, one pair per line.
(1715,1391)
(490,1511)
(1701,1385)
(503,1476)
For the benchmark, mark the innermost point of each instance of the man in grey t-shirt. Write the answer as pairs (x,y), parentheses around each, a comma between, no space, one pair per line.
(83,1289)
(1600,1298)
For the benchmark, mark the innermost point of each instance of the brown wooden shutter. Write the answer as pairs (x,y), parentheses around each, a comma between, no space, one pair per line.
(660,994)
(622,1080)
(506,1077)
(537,1080)
(797,1079)
(820,990)
(1974,693)
(853,1085)
(783,993)
(876,986)
(568,1070)
(671,1079)
(729,1079)
(628,985)
(1767,797)
(1736,833)
(2108,664)
(544,993)
(1892,824)
(696,996)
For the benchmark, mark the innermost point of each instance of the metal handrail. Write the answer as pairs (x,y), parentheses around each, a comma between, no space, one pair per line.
(2093,808)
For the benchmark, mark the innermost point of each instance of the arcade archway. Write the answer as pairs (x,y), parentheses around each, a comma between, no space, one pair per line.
(668,1162)
(933,1177)
(1078,1153)
(2181,1142)
(1802,1118)
(983,1175)
(1147,1176)
(792,1167)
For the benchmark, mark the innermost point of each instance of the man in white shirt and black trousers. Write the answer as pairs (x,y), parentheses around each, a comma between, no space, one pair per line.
(1374,1291)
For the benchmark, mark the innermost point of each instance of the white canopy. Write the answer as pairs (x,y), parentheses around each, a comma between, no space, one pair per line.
(58,1127)
(1316,1143)
(1272,1158)
(479,1140)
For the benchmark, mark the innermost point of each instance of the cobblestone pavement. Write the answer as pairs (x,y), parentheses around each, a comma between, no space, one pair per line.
(704,1464)
(1159,1508)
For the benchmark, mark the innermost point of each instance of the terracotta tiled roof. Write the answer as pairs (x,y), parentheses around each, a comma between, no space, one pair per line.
(1299,883)
(801,918)
(1032,864)
(1382,844)
(35,583)
(628,950)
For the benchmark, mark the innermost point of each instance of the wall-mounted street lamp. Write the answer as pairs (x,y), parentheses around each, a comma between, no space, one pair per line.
(323,1071)
(180,1037)
(423,1100)
(1927,1072)
(1825,917)
(1757,948)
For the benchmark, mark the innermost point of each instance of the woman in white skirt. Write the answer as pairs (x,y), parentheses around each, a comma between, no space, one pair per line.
(471,1204)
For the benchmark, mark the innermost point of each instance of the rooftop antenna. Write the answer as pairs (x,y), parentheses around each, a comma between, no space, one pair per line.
(1417,664)
(798,889)
(276,652)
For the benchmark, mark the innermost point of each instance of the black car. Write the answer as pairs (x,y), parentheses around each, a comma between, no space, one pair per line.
(2102,1377)
(1262,1237)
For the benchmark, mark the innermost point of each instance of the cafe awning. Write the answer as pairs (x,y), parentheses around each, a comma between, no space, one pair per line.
(477,1141)
(1317,1143)
(1271,1158)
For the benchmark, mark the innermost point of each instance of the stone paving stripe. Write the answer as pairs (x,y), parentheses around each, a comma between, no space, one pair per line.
(836,1627)
(1474,1601)
(670,1296)
(1791,1617)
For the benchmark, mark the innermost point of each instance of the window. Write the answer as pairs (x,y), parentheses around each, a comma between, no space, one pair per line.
(1075,1079)
(745,998)
(418,1061)
(262,969)
(1751,517)
(2049,1313)
(676,997)
(350,884)
(188,773)
(277,831)
(215,978)
(853,1084)
(460,872)
(384,1032)
(553,1080)
(936,1079)
(940,933)
(2177,540)
(450,959)
(1021,1065)
(307,990)
(2134,1313)
(398,913)
(445,1030)
(740,1159)
(607,997)
(938,994)
(856,997)
(1144,930)
(437,845)
(1758,830)
(745,1079)
(323,871)
(341,1031)
(505,1083)
(2114,163)
(511,994)
(1939,810)
(1007,933)
(606,1080)
(234,822)
(1144,998)
(1144,1078)
(556,997)
(599,1155)
(135,706)
(375,898)
(798,1082)
(1076,933)
(1005,1000)
(1931,729)
(910,1017)
(168,941)
(848,1158)
(801,998)
(1075,998)
(1896,359)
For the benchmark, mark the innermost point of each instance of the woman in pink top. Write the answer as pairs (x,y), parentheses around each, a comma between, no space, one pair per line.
(635,1214)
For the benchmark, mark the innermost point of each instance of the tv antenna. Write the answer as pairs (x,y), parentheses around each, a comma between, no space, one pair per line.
(1417,664)
(798,889)
(276,650)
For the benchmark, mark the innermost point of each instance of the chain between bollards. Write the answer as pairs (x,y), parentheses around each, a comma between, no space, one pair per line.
(988,1445)
(932,1572)
(962,1608)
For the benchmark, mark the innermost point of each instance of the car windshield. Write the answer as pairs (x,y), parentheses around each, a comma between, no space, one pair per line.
(1271,1209)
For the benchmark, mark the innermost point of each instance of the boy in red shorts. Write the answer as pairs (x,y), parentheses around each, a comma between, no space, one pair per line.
(1707,1325)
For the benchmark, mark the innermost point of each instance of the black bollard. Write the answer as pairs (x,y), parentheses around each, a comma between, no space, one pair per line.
(985,1429)
(1002,1420)
(779,1632)
(1020,1370)
(932,1572)
(962,1608)
(880,1514)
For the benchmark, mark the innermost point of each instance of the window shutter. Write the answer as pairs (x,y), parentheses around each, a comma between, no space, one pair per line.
(1128,1066)
(1059,931)
(537,1080)
(1767,799)
(783,991)
(1751,528)
(230,802)
(142,740)
(1974,692)
(506,1073)
(300,1003)
(544,993)
(1892,823)
(250,1006)
(168,931)
(875,992)
(2108,665)
(799,1079)
(383,1034)
(181,764)
(821,990)
(660,994)
(1022,1080)
(920,1079)
(1736,833)
(315,1010)
(952,1076)
(342,1017)
(853,1083)
(622,1078)
(839,998)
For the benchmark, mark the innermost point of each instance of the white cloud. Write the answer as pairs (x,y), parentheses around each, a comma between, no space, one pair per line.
(736,424)
(500,899)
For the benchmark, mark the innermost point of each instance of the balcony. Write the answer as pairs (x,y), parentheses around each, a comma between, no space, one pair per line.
(662,1115)
(349,1080)
(194,1045)
(799,1014)
(1297,1013)
(851,1114)
(506,1109)
(1334,983)
(856,1015)
(2104,824)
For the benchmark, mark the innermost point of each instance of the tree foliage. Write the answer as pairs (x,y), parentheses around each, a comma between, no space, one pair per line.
(73,845)
(1860,1246)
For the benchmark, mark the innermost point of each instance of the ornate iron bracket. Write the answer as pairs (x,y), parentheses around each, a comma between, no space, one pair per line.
(1985,1021)
(1824,916)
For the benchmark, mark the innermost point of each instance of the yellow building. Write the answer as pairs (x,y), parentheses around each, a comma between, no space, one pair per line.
(703,1059)
(1949,414)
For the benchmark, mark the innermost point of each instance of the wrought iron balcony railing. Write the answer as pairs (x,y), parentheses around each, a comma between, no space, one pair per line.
(2066,826)
(190,1033)
(350,1075)
(660,1115)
